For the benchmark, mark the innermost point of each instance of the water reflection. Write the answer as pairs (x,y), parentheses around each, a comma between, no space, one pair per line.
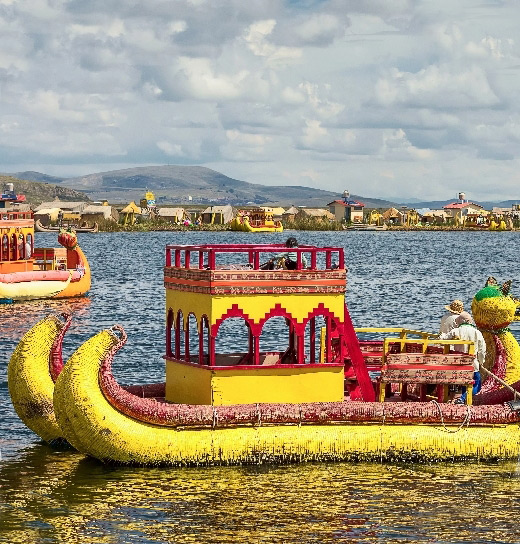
(394,279)
(50,496)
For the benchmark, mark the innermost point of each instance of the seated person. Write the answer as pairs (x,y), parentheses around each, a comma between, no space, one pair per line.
(285,260)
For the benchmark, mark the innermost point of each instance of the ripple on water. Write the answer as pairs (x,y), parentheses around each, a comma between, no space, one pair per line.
(395,279)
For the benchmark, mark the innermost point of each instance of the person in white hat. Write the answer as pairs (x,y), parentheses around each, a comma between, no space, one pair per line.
(448,320)
(465,330)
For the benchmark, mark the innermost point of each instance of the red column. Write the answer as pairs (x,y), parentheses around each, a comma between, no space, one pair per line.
(328,339)
(178,323)
(251,347)
(256,350)
(201,343)
(211,348)
(169,325)
(187,340)
(300,343)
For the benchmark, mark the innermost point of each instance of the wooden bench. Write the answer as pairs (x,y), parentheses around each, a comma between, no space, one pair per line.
(425,369)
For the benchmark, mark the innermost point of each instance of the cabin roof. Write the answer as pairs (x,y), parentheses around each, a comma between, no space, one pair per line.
(346,204)
(62,205)
(290,211)
(170,212)
(460,205)
(131,208)
(317,212)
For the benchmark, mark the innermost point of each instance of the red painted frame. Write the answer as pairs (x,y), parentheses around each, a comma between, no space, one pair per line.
(180,256)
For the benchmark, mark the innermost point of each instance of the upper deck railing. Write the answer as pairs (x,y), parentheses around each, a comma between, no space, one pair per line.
(205,257)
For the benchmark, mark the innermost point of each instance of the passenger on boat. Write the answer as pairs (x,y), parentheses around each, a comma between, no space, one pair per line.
(285,260)
(466,330)
(448,320)
(491,282)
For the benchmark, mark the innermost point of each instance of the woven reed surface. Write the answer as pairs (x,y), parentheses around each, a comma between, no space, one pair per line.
(29,379)
(92,425)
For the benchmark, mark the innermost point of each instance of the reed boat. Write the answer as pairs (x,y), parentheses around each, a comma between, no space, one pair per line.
(38,227)
(331,392)
(256,220)
(28,272)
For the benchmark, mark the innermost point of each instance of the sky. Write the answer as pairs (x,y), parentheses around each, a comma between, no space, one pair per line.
(401,98)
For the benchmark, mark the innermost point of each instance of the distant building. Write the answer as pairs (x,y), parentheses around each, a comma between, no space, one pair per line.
(128,215)
(350,211)
(289,214)
(433,217)
(319,214)
(94,213)
(63,205)
(276,211)
(173,215)
(217,215)
(462,209)
(393,215)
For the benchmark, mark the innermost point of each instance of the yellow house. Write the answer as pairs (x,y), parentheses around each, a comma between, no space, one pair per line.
(349,211)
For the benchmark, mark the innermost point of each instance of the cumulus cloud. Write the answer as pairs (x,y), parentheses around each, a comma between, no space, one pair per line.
(441,87)
(270,91)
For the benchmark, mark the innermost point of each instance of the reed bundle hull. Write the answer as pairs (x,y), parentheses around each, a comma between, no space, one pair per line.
(84,410)
(257,406)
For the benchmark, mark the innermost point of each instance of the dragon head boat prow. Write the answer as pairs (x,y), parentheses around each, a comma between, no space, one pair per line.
(494,311)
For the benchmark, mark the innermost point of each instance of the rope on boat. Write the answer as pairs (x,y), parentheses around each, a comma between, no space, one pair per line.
(516,395)
(465,421)
(214,423)
(258,415)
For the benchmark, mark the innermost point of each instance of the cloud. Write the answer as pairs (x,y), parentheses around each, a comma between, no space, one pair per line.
(267,91)
(439,87)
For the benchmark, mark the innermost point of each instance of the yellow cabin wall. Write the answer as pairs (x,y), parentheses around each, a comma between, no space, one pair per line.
(256,307)
(186,384)
(189,384)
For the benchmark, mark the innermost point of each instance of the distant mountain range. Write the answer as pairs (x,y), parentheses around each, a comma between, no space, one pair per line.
(199,185)
(176,184)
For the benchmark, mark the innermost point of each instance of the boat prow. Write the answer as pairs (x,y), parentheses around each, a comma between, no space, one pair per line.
(256,220)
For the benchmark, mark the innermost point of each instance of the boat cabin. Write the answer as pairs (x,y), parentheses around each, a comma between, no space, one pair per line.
(16,233)
(238,334)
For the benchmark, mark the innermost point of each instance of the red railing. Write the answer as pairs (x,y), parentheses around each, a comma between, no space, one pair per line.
(204,257)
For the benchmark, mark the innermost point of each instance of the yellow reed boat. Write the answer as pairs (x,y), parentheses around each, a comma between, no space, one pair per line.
(256,220)
(328,394)
(28,272)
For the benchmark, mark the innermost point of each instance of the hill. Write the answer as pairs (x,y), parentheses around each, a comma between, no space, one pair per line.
(176,184)
(36,192)
(29,175)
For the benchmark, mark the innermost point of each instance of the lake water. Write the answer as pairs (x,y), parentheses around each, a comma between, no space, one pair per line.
(395,279)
